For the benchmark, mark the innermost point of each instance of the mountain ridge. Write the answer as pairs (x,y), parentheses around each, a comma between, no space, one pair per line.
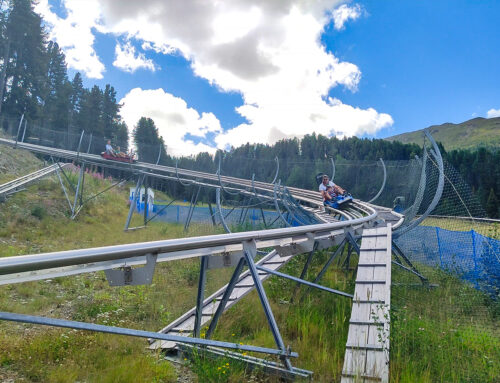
(470,134)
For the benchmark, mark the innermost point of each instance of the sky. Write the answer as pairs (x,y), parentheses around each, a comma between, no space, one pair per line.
(215,73)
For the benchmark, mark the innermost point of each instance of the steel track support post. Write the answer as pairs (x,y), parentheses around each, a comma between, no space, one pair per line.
(63,187)
(201,296)
(159,156)
(145,201)
(194,200)
(82,186)
(263,217)
(212,214)
(219,209)
(225,297)
(353,242)
(80,177)
(66,177)
(397,250)
(24,130)
(19,129)
(302,281)
(133,203)
(250,251)
(304,270)
(330,260)
(79,145)
(90,143)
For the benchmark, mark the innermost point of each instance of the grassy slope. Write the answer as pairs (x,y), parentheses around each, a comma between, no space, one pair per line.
(36,221)
(468,134)
(16,163)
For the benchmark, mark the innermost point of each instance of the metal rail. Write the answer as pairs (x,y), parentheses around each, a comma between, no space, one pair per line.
(14,185)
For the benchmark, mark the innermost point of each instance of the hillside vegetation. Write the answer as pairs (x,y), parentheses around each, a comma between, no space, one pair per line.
(466,135)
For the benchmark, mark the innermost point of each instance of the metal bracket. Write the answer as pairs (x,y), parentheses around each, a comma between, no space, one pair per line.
(297,248)
(224,260)
(127,276)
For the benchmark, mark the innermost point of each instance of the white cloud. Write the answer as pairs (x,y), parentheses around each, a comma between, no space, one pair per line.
(270,52)
(344,13)
(173,118)
(127,59)
(493,113)
(74,34)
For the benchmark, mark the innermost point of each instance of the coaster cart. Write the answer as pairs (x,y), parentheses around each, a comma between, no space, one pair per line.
(341,200)
(127,159)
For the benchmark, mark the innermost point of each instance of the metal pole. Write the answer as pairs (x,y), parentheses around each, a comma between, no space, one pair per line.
(263,218)
(250,250)
(397,250)
(63,188)
(201,296)
(159,155)
(194,200)
(219,209)
(24,130)
(328,263)
(82,168)
(90,143)
(145,201)
(225,297)
(19,129)
(66,176)
(139,333)
(302,281)
(134,201)
(83,184)
(277,169)
(212,214)
(79,144)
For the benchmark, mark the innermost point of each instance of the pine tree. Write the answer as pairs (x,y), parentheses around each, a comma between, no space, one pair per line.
(57,100)
(25,59)
(148,140)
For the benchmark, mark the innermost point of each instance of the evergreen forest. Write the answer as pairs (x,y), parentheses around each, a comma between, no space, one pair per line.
(34,84)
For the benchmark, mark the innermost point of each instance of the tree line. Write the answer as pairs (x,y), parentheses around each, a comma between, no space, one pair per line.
(34,81)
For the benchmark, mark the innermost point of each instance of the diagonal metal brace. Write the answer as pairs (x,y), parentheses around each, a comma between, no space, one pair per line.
(304,282)
(127,276)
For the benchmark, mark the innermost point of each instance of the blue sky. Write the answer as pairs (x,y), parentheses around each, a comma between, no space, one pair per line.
(214,76)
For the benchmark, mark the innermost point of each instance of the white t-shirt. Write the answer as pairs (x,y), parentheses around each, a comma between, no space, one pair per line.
(323,187)
(109,148)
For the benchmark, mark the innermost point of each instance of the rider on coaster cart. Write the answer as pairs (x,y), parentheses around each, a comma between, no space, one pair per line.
(332,194)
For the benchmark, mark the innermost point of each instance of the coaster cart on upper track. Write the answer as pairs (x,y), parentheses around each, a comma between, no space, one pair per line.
(127,159)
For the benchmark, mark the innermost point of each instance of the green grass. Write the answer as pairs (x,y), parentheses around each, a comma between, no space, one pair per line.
(446,334)
(491,230)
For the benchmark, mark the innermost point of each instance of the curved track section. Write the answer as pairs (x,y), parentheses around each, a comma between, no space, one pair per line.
(328,227)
